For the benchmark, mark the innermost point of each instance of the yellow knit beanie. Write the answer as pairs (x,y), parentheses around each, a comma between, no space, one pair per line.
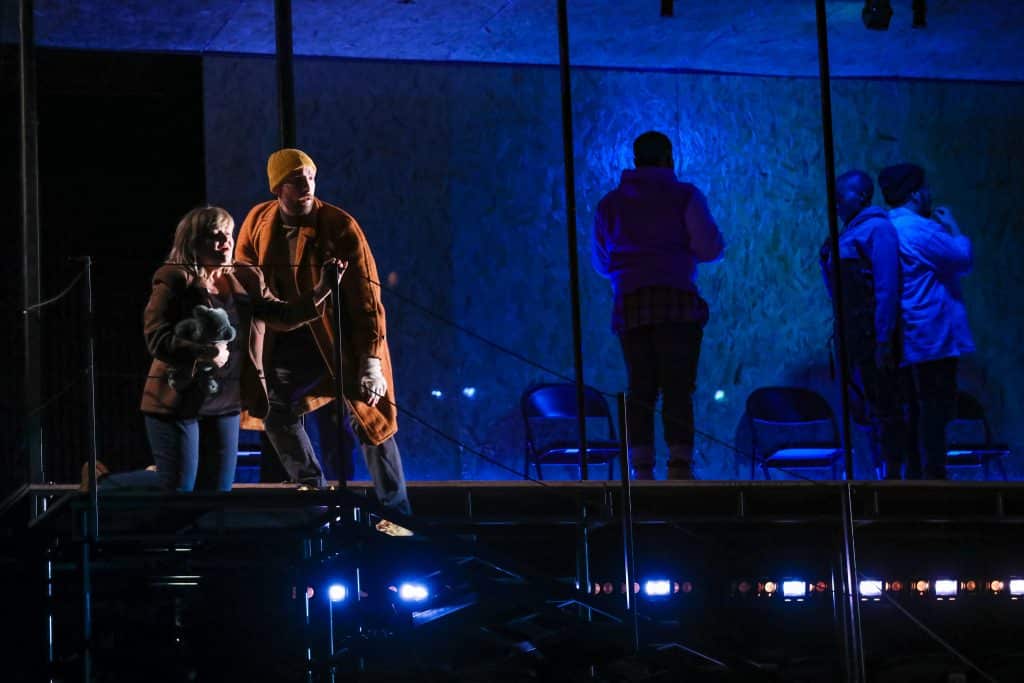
(284,161)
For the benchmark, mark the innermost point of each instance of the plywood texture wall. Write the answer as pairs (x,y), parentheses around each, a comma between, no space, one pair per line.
(456,173)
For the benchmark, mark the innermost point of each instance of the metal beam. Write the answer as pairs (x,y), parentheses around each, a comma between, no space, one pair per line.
(31,267)
(285,72)
(570,221)
(854,652)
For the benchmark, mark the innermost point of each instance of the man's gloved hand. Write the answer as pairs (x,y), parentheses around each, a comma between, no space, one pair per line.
(371,380)
(885,358)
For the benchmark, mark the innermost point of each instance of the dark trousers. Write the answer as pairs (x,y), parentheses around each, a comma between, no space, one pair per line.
(934,406)
(887,393)
(662,359)
(287,433)
(191,454)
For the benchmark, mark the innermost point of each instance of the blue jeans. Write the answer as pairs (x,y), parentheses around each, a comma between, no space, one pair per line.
(194,453)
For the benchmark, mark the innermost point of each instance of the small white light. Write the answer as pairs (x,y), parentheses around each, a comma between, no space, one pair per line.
(945,588)
(469,392)
(870,588)
(436,393)
(413,592)
(719,395)
(794,589)
(657,587)
(1016,586)
(336,592)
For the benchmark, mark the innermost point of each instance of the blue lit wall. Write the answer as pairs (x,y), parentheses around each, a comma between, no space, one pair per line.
(455,171)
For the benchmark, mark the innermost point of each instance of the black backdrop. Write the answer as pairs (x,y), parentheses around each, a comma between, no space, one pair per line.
(120,160)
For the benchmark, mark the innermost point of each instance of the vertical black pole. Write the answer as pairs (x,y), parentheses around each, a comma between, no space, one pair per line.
(570,217)
(92,532)
(833,230)
(342,458)
(87,601)
(30,242)
(92,511)
(628,549)
(855,637)
(285,72)
(854,658)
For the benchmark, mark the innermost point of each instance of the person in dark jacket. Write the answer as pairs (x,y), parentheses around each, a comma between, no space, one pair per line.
(649,235)
(869,269)
(192,426)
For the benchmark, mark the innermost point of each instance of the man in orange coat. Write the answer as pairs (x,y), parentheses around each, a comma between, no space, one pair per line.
(288,238)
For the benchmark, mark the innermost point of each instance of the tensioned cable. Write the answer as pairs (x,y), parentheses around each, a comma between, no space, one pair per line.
(54,299)
(933,635)
(60,393)
(501,465)
(526,360)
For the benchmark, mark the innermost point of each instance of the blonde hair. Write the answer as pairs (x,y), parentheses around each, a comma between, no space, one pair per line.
(191,228)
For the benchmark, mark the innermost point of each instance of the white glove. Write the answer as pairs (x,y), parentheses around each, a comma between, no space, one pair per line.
(371,380)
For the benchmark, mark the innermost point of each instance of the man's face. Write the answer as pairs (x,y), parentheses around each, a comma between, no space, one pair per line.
(850,200)
(295,193)
(215,248)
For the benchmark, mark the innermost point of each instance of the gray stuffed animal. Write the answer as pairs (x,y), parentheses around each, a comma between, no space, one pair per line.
(206,326)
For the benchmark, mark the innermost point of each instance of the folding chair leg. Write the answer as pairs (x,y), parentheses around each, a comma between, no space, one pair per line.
(1001,467)
(611,468)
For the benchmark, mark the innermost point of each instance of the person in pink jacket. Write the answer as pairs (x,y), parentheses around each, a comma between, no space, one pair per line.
(649,235)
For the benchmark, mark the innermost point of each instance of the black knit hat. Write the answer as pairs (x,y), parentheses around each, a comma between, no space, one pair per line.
(899,182)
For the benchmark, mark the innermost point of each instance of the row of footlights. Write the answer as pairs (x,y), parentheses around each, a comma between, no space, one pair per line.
(798,590)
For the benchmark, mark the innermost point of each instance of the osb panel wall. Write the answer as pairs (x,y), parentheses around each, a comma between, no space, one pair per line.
(456,173)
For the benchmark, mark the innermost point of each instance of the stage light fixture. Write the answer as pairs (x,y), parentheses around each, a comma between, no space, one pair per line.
(656,588)
(970,585)
(1017,587)
(794,589)
(996,586)
(769,587)
(821,586)
(337,592)
(920,9)
(413,592)
(743,587)
(607,588)
(870,588)
(921,586)
(685,587)
(945,588)
(876,14)
(895,586)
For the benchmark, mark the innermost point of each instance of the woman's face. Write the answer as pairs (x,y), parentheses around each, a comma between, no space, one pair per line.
(215,248)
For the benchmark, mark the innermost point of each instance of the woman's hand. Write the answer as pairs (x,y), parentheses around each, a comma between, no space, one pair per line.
(215,353)
(330,275)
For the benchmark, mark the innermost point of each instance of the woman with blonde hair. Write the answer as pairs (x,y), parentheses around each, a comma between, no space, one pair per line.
(192,398)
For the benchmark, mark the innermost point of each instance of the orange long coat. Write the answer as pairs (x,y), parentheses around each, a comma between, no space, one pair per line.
(335,234)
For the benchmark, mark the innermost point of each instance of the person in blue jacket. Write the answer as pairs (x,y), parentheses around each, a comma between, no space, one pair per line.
(869,269)
(934,255)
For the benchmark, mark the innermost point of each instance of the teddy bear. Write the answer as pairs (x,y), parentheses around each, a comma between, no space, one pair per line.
(206,326)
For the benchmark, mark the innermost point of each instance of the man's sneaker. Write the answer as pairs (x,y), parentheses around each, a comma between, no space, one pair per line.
(386,526)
